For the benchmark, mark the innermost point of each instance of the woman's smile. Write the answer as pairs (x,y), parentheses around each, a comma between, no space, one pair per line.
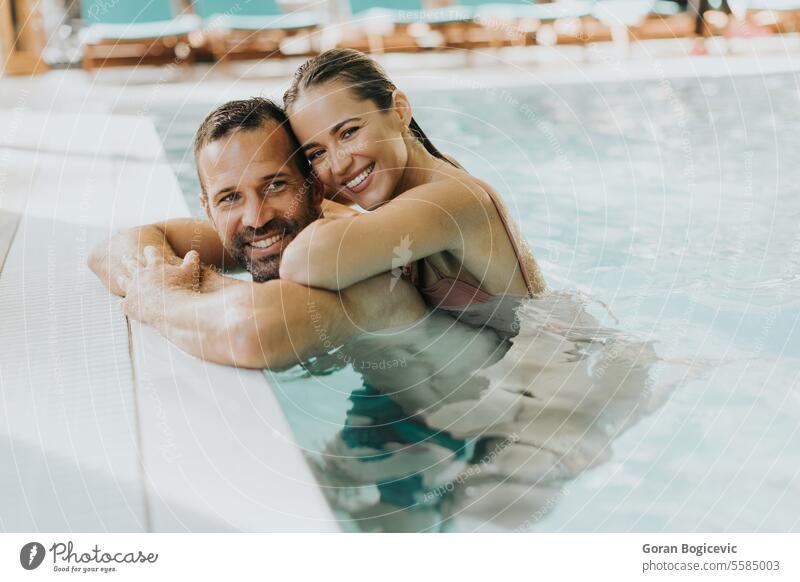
(359,181)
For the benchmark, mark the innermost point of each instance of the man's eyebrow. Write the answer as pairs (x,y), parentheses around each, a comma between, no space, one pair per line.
(335,129)
(271,177)
(267,178)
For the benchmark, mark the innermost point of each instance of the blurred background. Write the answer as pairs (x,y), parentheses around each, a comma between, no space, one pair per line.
(38,34)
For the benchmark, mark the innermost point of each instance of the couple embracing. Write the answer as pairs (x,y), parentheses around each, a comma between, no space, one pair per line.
(278,185)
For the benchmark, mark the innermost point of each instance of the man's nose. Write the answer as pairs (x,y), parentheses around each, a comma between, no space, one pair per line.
(257,212)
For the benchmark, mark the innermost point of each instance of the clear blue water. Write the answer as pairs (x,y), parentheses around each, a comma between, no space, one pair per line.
(676,203)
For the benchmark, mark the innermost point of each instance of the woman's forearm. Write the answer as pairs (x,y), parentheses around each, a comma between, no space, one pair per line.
(312,258)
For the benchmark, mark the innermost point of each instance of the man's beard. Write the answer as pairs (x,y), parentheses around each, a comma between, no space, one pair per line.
(265,268)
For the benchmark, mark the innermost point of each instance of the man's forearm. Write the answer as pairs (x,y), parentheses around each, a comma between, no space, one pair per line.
(274,325)
(214,326)
(292,322)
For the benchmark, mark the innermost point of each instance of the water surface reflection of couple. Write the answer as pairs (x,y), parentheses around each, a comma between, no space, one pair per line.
(485,420)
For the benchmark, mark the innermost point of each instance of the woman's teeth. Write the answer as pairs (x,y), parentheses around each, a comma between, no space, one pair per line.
(361,177)
(267,242)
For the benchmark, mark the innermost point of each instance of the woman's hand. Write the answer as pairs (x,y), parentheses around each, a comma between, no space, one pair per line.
(151,279)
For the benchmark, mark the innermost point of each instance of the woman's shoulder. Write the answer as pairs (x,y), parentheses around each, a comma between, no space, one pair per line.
(454,185)
(453,161)
(456,198)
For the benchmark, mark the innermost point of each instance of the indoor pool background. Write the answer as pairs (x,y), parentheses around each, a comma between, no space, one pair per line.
(676,204)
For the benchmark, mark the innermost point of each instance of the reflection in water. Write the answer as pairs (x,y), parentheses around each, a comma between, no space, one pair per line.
(478,426)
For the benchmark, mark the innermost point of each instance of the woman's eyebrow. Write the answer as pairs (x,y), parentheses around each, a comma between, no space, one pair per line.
(335,129)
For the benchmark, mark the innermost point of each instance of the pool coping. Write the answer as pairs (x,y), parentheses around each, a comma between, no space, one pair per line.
(177,444)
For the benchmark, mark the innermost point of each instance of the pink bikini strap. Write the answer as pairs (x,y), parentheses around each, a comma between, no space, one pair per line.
(411,271)
(435,270)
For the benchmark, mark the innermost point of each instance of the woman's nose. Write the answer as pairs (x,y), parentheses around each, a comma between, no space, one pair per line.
(340,163)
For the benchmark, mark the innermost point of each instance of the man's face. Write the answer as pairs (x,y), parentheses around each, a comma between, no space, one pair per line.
(256,196)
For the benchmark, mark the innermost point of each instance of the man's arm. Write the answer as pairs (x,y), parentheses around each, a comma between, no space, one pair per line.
(288,323)
(274,325)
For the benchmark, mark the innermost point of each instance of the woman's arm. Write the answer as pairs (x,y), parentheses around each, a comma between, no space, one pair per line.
(334,254)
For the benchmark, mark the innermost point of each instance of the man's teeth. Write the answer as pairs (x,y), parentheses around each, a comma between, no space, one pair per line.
(361,177)
(267,242)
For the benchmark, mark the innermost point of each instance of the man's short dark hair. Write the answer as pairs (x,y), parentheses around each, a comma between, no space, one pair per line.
(246,115)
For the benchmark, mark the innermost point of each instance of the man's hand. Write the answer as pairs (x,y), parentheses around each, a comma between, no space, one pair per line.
(212,280)
(151,280)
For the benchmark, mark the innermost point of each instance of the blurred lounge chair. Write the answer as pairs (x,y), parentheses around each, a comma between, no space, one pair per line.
(254,29)
(620,16)
(495,24)
(667,19)
(134,32)
(397,26)
(780,16)
(644,20)
(522,23)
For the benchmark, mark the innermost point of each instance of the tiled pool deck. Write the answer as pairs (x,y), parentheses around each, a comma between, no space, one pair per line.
(107,427)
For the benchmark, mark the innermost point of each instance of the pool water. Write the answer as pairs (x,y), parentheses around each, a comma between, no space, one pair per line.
(656,389)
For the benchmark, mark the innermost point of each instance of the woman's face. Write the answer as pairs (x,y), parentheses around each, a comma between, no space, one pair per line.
(353,147)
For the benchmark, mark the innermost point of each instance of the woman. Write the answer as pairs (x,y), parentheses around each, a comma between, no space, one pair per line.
(447,230)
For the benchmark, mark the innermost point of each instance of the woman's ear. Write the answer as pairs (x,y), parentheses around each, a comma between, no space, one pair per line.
(402,106)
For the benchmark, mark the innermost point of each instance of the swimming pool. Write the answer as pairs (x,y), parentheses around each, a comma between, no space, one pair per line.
(675,203)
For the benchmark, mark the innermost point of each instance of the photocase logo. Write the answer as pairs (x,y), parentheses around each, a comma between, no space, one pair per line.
(31,555)
(402,256)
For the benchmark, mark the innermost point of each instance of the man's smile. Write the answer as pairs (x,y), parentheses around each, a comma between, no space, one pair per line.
(267,245)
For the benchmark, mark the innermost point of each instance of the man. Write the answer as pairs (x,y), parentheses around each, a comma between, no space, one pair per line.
(258,193)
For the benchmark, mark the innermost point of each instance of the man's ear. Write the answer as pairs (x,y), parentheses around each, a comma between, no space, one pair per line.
(204,201)
(203,194)
(402,106)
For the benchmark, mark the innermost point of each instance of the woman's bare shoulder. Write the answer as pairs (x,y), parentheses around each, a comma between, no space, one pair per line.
(455,185)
